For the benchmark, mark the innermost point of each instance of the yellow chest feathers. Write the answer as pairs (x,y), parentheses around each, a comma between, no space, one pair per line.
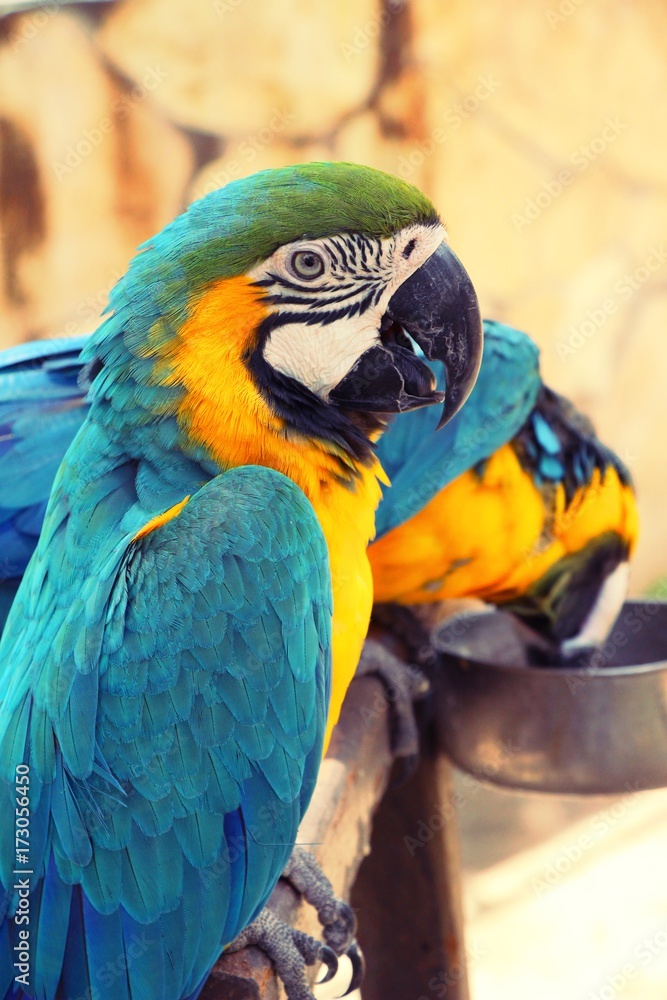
(207,358)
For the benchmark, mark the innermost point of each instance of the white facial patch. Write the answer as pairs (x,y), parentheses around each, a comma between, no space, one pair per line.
(319,357)
(334,316)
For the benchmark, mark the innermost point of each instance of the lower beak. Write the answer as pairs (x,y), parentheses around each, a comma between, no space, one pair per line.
(437,306)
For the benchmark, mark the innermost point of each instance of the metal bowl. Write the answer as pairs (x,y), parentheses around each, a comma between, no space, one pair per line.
(601,728)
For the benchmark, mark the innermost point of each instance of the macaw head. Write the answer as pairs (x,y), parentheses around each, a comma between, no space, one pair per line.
(308,288)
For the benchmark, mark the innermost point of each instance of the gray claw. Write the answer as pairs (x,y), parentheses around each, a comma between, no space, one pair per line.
(405,623)
(356,957)
(328,958)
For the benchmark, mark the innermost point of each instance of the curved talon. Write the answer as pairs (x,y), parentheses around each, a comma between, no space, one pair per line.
(338,919)
(329,959)
(356,957)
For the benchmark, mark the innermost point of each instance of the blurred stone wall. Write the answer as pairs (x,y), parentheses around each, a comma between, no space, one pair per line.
(539,128)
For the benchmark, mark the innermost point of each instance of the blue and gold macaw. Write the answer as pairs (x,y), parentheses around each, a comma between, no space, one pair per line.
(527,510)
(179,646)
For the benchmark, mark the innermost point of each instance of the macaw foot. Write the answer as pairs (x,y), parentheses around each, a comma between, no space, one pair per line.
(339,923)
(291,951)
(405,622)
(404,684)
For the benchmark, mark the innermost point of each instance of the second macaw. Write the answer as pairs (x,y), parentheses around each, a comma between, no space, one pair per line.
(527,509)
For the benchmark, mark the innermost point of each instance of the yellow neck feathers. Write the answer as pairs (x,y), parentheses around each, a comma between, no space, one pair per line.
(223,410)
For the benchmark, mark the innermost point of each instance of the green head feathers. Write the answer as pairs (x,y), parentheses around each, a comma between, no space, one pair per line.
(249,219)
(231,229)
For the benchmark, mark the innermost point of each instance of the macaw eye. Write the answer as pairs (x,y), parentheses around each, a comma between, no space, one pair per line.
(306,264)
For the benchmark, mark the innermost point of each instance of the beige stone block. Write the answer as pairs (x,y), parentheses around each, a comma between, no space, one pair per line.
(107,173)
(556,98)
(233,65)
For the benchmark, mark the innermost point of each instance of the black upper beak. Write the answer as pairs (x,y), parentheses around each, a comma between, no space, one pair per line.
(437,306)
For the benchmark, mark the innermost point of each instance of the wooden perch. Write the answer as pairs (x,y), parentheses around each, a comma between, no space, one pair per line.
(408,905)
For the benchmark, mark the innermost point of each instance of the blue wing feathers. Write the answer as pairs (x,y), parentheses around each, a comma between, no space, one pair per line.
(57,353)
(102,949)
(42,746)
(103,878)
(41,409)
(50,937)
(178,815)
(74,840)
